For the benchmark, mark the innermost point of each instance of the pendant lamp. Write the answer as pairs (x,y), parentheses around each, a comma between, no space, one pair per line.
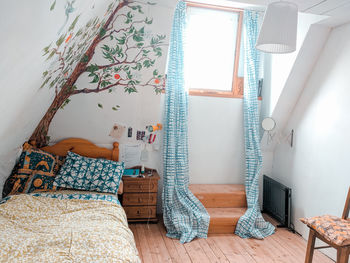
(278,33)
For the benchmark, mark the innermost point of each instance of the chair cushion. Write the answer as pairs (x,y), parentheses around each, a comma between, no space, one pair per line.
(332,228)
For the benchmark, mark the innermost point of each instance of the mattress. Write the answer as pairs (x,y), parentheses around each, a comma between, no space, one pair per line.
(65,226)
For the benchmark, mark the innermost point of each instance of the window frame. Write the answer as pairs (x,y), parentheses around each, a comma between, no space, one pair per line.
(237,87)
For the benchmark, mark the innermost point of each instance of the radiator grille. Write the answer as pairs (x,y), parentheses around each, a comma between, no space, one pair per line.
(277,200)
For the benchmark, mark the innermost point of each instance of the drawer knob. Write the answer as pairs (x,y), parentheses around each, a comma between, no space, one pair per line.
(138,212)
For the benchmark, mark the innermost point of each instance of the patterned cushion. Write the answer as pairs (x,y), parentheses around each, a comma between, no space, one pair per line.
(90,174)
(332,228)
(34,172)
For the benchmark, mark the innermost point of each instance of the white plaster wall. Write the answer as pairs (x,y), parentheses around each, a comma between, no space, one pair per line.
(279,66)
(316,168)
(216,148)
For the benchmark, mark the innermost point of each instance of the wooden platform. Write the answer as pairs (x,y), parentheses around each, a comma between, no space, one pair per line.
(220,195)
(283,247)
(225,203)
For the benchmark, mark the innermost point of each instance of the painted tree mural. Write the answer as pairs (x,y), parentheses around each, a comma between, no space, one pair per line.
(121,38)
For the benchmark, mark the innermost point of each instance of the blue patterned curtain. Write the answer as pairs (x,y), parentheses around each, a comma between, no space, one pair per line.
(252,224)
(184,215)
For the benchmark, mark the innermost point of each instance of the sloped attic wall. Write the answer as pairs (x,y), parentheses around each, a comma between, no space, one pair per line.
(31,26)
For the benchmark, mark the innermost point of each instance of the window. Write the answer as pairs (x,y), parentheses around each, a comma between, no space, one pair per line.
(213,65)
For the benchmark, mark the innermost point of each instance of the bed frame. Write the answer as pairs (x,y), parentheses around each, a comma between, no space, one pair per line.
(82,147)
(85,148)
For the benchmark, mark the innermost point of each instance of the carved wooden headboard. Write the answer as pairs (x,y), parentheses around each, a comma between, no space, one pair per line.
(83,147)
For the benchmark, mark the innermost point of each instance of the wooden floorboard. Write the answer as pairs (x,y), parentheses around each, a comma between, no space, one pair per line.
(283,247)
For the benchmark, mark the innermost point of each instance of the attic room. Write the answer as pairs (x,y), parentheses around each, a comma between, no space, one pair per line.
(174,131)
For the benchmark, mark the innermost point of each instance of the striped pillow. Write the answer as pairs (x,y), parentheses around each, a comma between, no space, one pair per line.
(83,173)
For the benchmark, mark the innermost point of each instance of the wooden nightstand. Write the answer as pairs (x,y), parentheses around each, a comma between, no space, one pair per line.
(140,197)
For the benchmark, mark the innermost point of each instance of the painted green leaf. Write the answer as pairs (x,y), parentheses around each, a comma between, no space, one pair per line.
(151,3)
(105,83)
(116,107)
(53,6)
(102,32)
(121,41)
(148,21)
(92,68)
(53,52)
(108,55)
(100,105)
(46,50)
(95,79)
(45,82)
(84,59)
(130,89)
(45,73)
(129,15)
(65,103)
(138,8)
(105,47)
(80,31)
(129,75)
(147,63)
(137,38)
(72,26)
(117,69)
(60,40)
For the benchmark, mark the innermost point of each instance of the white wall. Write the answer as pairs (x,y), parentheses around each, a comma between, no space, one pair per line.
(216,148)
(316,168)
(279,66)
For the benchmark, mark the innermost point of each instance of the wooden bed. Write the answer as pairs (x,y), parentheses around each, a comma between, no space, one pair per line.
(67,225)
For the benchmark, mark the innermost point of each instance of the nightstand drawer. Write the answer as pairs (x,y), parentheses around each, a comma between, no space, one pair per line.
(140,199)
(141,186)
(135,212)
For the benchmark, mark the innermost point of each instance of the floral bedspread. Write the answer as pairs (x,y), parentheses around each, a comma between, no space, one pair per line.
(65,226)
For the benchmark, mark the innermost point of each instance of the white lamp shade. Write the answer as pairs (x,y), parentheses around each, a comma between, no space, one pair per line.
(278,33)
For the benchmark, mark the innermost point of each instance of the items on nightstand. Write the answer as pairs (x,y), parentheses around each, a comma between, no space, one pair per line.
(131,172)
(140,197)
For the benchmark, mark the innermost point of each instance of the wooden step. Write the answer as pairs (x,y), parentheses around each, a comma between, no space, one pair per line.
(224,220)
(220,195)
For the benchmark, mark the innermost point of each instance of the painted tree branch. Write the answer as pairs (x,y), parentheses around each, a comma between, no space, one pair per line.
(39,135)
(102,75)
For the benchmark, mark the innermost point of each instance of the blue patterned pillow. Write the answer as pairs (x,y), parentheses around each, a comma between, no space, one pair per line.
(90,174)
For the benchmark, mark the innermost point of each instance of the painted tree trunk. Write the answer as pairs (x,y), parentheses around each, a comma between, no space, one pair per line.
(40,134)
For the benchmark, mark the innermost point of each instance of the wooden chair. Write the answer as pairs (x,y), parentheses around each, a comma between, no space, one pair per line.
(338,237)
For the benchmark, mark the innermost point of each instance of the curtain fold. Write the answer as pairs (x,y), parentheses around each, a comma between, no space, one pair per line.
(252,224)
(184,215)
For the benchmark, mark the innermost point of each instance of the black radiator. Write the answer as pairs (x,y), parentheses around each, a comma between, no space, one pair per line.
(277,201)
